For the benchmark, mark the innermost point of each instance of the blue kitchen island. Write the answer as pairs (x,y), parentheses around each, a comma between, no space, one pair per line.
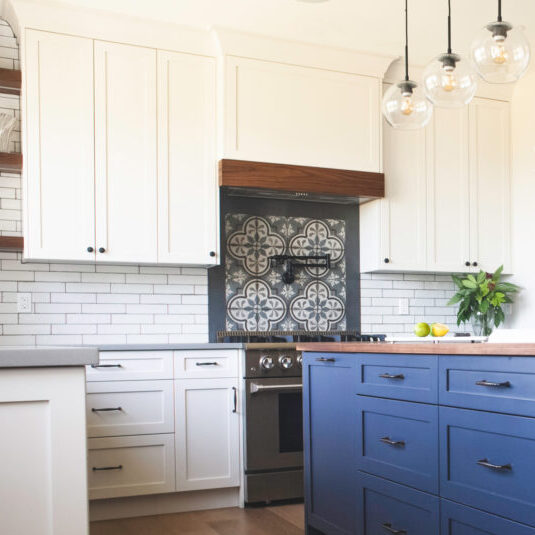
(419,439)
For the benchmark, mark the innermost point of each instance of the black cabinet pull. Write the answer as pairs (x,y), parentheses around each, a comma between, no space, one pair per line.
(500,467)
(108,409)
(399,376)
(106,366)
(103,468)
(90,249)
(387,260)
(235,390)
(505,384)
(212,253)
(390,442)
(101,250)
(390,529)
(474,264)
(206,364)
(467,263)
(324,359)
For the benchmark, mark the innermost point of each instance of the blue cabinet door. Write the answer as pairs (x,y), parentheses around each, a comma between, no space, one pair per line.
(329,426)
(456,519)
(405,377)
(488,462)
(496,384)
(398,440)
(385,508)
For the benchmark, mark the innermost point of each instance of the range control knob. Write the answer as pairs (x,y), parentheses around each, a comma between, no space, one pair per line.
(267,363)
(300,361)
(286,362)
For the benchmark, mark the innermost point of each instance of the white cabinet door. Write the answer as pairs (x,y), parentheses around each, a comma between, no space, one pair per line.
(188,185)
(206,434)
(448,191)
(59,160)
(125,153)
(43,488)
(299,115)
(490,184)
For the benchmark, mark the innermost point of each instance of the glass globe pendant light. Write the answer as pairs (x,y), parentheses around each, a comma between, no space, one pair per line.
(449,80)
(404,104)
(501,52)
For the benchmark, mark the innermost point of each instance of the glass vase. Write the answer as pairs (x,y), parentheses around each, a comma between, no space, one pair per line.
(483,324)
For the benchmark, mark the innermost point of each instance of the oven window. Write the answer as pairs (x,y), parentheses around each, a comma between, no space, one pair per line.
(290,422)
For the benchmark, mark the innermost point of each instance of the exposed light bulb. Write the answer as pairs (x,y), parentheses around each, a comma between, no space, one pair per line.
(499,54)
(448,82)
(407,106)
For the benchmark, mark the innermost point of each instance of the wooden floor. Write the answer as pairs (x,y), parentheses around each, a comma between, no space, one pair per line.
(280,520)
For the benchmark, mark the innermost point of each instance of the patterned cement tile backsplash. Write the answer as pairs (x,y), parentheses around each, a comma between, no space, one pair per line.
(256,297)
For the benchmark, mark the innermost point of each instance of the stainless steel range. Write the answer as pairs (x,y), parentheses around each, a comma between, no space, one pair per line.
(273,417)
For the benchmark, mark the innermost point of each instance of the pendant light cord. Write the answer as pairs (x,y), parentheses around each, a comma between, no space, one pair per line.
(449,26)
(406,40)
(499,10)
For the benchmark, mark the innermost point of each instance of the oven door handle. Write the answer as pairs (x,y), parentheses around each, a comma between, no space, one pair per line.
(256,388)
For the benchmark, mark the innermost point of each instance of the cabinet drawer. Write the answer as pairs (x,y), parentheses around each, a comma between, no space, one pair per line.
(488,461)
(384,507)
(458,519)
(132,366)
(411,378)
(116,408)
(398,440)
(130,466)
(198,364)
(501,384)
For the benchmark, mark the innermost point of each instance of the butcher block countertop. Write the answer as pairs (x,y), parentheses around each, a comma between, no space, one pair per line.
(422,348)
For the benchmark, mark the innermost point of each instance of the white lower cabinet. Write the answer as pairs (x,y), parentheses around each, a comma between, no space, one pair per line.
(116,408)
(131,466)
(207,434)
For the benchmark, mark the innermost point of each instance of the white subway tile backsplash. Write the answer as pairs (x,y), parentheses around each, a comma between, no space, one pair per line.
(88,287)
(145,278)
(88,318)
(103,277)
(72,298)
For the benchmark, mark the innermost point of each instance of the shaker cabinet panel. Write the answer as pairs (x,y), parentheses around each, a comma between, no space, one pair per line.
(187,167)
(59,158)
(125,153)
(292,114)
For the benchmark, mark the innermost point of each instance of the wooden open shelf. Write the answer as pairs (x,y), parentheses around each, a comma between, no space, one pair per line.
(11,243)
(11,162)
(10,81)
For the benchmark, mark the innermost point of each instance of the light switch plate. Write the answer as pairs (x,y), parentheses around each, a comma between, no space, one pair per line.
(24,302)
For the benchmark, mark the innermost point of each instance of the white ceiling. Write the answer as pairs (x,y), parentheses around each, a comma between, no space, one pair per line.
(371,25)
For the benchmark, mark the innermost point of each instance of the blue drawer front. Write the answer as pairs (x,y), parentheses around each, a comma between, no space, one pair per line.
(410,378)
(398,440)
(499,384)
(384,506)
(456,519)
(469,439)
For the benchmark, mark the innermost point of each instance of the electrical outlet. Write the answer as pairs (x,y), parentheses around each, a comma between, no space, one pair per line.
(403,307)
(24,302)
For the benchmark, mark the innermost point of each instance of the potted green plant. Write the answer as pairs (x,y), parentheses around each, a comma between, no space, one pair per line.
(480,299)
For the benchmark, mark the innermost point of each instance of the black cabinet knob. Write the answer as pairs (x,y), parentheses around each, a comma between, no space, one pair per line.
(387,260)
(474,264)
(90,249)
(467,264)
(212,253)
(101,250)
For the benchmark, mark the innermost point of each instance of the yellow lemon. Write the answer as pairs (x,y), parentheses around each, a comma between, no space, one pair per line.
(422,329)
(439,329)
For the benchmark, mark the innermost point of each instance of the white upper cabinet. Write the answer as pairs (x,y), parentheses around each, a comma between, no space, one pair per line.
(299,115)
(59,155)
(125,153)
(187,132)
(490,184)
(463,194)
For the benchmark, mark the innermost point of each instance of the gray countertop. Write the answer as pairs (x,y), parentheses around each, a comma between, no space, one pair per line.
(38,357)
(167,347)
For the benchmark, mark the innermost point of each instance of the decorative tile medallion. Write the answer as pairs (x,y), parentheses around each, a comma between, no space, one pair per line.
(256,296)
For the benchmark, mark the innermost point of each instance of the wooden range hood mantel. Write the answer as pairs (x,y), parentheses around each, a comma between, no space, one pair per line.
(299,179)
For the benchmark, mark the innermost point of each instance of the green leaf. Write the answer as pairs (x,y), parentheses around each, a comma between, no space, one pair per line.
(497,274)
(471,278)
(481,277)
(507,287)
(469,283)
(457,281)
(484,307)
(455,299)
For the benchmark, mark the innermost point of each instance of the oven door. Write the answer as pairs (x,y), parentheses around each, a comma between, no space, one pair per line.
(274,423)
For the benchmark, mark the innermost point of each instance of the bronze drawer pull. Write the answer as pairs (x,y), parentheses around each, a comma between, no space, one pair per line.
(390,376)
(324,359)
(108,409)
(206,364)
(106,365)
(484,382)
(502,467)
(390,442)
(390,529)
(104,468)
